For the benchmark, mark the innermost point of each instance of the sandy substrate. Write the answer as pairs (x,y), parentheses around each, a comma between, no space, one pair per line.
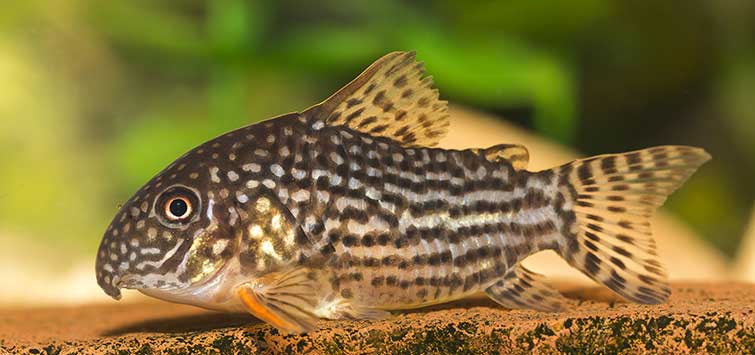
(700,318)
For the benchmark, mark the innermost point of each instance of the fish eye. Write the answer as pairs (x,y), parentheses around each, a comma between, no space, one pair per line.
(177,206)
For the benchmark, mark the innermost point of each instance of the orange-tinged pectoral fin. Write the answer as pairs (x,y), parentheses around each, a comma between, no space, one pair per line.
(257,309)
(284,300)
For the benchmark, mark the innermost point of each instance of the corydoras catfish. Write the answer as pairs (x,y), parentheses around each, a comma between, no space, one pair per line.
(348,210)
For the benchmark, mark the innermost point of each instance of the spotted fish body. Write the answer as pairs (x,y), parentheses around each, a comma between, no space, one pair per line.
(346,210)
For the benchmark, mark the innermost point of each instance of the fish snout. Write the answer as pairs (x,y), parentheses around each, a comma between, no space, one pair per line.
(112,281)
(107,271)
(109,282)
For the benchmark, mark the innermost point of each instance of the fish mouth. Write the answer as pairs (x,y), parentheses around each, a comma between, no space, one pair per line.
(143,282)
(170,288)
(210,293)
(129,282)
(111,288)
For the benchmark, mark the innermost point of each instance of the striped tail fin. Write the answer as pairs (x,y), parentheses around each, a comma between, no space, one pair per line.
(608,201)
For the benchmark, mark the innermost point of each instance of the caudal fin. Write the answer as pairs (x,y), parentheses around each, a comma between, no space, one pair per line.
(608,201)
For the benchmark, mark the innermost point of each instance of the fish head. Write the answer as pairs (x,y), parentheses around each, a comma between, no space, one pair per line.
(171,234)
(211,220)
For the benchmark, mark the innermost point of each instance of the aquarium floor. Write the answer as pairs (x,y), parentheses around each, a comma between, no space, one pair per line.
(699,318)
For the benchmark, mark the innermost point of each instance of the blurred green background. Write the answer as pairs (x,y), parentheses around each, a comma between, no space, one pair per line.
(97,96)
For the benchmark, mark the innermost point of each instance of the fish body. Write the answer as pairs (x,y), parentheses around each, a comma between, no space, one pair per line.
(346,210)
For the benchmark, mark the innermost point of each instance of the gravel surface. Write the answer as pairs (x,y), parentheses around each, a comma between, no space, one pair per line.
(699,318)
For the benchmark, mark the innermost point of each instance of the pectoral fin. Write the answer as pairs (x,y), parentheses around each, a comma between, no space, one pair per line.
(286,300)
(523,289)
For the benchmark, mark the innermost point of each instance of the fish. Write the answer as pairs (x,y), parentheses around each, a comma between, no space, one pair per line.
(349,210)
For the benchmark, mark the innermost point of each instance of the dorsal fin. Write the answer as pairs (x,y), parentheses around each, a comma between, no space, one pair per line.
(516,154)
(392,99)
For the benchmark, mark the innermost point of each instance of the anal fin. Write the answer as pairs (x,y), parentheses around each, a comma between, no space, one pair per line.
(523,289)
